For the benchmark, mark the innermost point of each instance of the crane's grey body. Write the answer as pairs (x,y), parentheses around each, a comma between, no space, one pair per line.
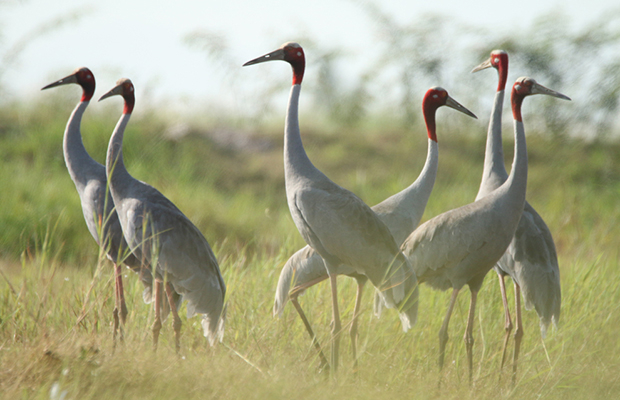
(401,213)
(531,259)
(460,246)
(158,231)
(335,222)
(341,227)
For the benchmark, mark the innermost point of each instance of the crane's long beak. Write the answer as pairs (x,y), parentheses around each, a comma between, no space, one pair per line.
(64,81)
(116,90)
(537,88)
(274,55)
(450,102)
(484,65)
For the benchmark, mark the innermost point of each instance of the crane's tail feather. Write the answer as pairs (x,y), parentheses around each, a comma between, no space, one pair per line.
(213,328)
(283,288)
(400,291)
(377,306)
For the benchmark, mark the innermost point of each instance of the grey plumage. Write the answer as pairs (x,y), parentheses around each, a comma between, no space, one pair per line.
(90,180)
(335,222)
(158,231)
(401,213)
(460,246)
(530,259)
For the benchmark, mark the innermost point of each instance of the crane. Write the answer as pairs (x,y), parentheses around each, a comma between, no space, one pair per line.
(180,257)
(401,213)
(90,180)
(530,260)
(460,246)
(337,223)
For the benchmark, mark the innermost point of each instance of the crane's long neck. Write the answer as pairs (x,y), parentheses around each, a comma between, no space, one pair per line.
(403,211)
(115,166)
(79,163)
(296,161)
(494,172)
(517,180)
(426,179)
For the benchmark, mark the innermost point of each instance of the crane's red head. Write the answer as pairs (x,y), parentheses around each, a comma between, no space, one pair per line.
(524,87)
(499,61)
(83,77)
(124,88)
(434,98)
(290,52)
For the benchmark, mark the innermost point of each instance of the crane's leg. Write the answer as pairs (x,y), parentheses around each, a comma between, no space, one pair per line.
(469,337)
(356,313)
(518,331)
(157,292)
(443,332)
(118,272)
(116,307)
(177,321)
(508,322)
(336,323)
(315,342)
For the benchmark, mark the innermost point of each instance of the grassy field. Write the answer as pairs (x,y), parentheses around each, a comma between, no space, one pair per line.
(56,290)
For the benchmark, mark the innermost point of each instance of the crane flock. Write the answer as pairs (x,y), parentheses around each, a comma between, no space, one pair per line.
(137,225)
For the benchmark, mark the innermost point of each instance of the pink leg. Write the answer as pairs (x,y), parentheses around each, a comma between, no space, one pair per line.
(315,342)
(121,293)
(443,332)
(157,289)
(353,330)
(518,331)
(508,322)
(177,321)
(336,320)
(115,312)
(469,337)
(293,296)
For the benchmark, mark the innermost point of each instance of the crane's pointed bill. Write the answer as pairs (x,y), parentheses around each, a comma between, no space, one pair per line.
(64,81)
(450,102)
(537,88)
(116,90)
(484,65)
(274,55)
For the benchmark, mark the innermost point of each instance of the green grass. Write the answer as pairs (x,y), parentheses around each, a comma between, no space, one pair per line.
(56,290)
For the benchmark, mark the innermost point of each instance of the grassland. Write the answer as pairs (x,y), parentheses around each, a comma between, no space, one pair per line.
(56,289)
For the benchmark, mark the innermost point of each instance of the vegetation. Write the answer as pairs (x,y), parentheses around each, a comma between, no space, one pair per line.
(56,287)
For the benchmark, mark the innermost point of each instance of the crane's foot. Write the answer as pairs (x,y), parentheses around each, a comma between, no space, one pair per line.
(123,313)
(443,340)
(116,326)
(155,329)
(176,319)
(469,346)
(177,333)
(518,337)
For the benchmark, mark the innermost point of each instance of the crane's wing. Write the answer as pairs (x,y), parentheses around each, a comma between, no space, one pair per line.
(441,249)
(158,231)
(531,260)
(335,221)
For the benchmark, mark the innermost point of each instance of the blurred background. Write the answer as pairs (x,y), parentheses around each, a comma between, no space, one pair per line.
(208,133)
(364,58)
